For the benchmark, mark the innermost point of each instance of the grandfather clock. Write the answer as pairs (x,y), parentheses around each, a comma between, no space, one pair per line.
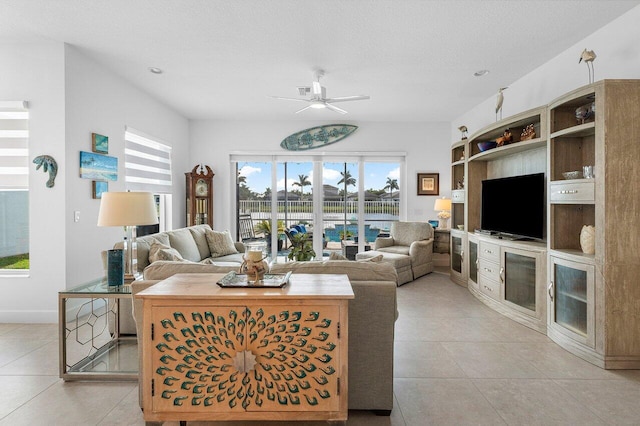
(200,196)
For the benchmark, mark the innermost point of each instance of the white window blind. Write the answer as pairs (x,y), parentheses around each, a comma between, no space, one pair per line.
(147,163)
(14,151)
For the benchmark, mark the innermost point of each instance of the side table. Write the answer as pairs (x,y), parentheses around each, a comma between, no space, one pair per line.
(91,347)
(350,249)
(441,240)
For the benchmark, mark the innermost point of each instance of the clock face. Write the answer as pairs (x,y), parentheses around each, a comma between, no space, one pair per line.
(201,188)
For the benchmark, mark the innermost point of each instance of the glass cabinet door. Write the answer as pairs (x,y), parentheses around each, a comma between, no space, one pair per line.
(456,254)
(473,262)
(519,275)
(572,294)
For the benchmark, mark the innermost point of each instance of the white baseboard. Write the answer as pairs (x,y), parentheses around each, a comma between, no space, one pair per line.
(29,317)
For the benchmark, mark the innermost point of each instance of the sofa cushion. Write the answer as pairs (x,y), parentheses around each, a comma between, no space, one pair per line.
(182,240)
(163,252)
(220,243)
(356,271)
(162,269)
(198,232)
(404,250)
(337,256)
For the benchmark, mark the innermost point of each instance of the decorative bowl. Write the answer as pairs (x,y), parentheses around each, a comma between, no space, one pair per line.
(484,146)
(572,175)
(461,227)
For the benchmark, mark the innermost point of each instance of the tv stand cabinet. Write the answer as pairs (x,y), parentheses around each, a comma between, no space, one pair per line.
(511,279)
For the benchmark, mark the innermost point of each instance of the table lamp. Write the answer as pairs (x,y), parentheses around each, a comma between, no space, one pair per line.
(128,209)
(443,206)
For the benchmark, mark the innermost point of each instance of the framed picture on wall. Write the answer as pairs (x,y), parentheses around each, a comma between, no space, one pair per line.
(99,187)
(100,143)
(428,183)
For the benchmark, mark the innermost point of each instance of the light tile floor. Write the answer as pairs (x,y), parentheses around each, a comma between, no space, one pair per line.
(457,362)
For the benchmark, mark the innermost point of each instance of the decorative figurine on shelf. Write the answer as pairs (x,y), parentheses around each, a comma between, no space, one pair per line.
(588,56)
(505,139)
(585,112)
(499,101)
(464,131)
(460,184)
(528,133)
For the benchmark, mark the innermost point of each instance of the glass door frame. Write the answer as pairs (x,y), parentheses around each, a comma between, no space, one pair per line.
(318,160)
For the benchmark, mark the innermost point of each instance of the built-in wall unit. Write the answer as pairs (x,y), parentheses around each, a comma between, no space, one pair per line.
(458,234)
(593,291)
(549,211)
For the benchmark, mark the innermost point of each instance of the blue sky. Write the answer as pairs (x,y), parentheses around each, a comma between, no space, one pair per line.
(259,174)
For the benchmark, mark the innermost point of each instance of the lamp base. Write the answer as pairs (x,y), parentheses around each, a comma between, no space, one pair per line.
(444,224)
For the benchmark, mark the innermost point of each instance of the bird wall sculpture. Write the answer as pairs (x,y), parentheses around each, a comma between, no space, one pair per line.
(464,131)
(588,56)
(499,101)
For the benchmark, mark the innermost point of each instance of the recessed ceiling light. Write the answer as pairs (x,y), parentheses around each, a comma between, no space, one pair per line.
(481,73)
(155,70)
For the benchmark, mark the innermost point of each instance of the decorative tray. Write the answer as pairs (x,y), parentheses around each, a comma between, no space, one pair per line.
(234,279)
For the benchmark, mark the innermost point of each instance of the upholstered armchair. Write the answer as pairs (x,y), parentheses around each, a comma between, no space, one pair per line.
(413,239)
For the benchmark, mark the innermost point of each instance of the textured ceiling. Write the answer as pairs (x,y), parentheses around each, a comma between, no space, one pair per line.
(221,59)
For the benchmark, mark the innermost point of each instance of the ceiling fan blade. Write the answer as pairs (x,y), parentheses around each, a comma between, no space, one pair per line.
(348,98)
(305,108)
(335,108)
(289,99)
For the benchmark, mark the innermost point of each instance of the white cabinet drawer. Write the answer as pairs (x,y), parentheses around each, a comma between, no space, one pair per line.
(457,196)
(490,270)
(489,251)
(489,287)
(572,192)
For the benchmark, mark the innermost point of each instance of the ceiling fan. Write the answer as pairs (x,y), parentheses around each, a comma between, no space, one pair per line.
(319,98)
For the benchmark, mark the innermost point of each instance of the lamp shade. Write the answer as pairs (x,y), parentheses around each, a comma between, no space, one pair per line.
(442,204)
(127,209)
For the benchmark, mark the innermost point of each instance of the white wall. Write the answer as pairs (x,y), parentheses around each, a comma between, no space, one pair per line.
(618,57)
(35,73)
(426,145)
(97,101)
(70,96)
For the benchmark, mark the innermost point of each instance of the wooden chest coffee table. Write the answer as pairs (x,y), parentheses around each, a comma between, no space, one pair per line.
(212,353)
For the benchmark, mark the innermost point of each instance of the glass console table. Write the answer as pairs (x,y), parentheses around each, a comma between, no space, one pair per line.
(91,347)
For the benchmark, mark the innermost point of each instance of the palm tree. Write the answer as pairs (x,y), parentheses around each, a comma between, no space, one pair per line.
(391,185)
(347,180)
(303,180)
(346,177)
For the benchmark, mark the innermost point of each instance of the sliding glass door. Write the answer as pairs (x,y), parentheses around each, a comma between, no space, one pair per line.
(344,205)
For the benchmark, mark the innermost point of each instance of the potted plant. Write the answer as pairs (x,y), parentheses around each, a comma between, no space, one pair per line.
(264,227)
(345,235)
(301,247)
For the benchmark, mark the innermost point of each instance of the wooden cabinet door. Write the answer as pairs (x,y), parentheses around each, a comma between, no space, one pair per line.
(193,353)
(298,358)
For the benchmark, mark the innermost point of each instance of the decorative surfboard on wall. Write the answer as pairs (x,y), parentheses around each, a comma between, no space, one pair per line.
(317,137)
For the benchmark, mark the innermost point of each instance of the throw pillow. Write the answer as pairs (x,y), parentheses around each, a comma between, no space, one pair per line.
(336,256)
(159,251)
(220,243)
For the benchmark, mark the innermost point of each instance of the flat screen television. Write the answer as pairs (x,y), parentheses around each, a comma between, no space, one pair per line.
(515,206)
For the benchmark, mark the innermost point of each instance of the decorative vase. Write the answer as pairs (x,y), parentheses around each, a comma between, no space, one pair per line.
(115,267)
(588,239)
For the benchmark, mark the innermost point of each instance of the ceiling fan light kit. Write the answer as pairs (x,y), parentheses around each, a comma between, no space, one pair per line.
(319,98)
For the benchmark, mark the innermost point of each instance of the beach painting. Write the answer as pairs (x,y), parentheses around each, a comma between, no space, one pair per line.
(99,187)
(100,143)
(98,167)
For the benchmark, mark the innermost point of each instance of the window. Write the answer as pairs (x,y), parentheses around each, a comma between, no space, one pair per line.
(326,194)
(147,163)
(14,187)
